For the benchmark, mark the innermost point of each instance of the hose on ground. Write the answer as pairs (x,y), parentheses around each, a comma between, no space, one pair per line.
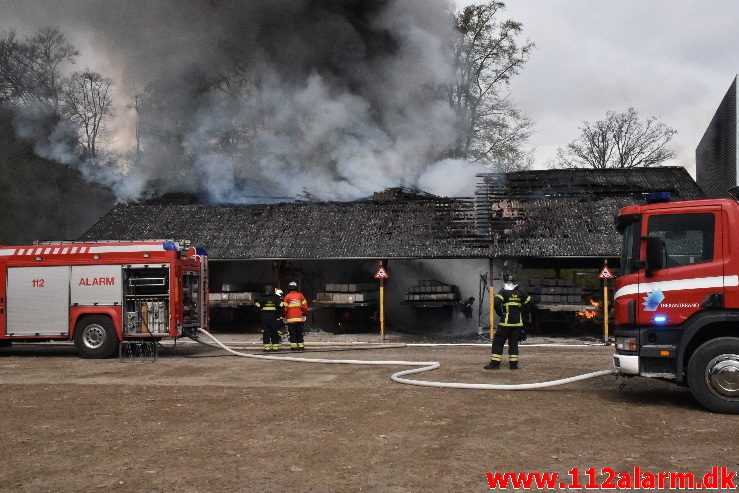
(398,377)
(323,347)
(421,366)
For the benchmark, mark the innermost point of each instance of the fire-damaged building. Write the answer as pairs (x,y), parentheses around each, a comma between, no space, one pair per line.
(553,228)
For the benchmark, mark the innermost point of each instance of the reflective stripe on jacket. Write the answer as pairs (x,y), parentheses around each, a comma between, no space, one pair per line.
(269,305)
(510,305)
(294,307)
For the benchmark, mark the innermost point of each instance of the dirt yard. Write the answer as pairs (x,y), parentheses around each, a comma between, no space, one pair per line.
(198,420)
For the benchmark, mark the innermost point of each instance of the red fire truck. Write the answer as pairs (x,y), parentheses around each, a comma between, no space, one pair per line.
(100,293)
(677,300)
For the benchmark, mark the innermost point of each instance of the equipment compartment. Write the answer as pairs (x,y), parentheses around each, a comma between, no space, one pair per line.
(146,300)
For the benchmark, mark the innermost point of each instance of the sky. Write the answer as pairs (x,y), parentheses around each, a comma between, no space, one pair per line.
(673,59)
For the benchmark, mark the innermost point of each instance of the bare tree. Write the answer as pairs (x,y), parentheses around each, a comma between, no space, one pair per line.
(49,49)
(487,55)
(14,71)
(520,161)
(620,140)
(136,106)
(31,69)
(87,103)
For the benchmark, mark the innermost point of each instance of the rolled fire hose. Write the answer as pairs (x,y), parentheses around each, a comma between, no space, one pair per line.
(422,366)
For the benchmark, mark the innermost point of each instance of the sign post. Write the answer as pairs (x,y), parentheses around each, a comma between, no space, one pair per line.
(492,309)
(382,274)
(605,274)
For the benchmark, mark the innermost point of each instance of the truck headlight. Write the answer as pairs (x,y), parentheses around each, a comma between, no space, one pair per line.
(627,344)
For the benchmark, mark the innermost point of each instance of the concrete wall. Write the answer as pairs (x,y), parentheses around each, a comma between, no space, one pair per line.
(313,275)
(464,273)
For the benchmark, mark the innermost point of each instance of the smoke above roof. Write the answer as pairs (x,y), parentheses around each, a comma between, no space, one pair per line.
(254,98)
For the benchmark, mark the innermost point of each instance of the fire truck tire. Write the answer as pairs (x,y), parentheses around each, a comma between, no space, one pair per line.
(95,337)
(713,375)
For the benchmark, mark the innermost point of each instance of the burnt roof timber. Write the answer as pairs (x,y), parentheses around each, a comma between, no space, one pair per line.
(520,224)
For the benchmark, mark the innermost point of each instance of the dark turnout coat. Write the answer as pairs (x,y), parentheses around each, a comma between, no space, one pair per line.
(511,305)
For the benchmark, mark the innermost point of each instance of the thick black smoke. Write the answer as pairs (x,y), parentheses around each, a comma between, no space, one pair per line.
(336,98)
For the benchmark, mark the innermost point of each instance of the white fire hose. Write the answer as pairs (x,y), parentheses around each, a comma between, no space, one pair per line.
(423,367)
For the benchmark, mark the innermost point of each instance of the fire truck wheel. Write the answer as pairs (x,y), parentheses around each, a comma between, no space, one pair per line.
(95,337)
(713,375)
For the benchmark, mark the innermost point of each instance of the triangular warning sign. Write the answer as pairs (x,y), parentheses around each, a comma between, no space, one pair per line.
(382,273)
(606,273)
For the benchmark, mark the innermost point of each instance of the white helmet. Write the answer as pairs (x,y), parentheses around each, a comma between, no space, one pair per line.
(278,292)
(292,285)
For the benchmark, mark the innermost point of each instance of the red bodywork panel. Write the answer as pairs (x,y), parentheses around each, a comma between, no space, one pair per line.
(678,292)
(3,298)
(108,253)
(114,312)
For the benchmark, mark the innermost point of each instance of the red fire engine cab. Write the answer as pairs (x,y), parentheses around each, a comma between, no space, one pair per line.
(676,301)
(101,293)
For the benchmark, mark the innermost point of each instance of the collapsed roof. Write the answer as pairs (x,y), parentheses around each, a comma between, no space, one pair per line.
(553,213)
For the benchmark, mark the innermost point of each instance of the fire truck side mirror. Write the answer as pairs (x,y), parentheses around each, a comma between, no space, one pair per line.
(655,254)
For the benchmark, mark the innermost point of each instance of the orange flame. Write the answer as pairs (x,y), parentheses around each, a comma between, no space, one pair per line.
(591,312)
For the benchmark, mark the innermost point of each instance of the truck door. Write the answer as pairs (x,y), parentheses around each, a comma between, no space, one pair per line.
(3,299)
(693,265)
(626,295)
(38,301)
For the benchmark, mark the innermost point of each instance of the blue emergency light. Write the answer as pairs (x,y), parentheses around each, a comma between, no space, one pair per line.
(657,197)
(201,251)
(660,319)
(170,246)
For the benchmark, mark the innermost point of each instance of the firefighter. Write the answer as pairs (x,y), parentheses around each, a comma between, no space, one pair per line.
(282,332)
(270,309)
(295,308)
(511,304)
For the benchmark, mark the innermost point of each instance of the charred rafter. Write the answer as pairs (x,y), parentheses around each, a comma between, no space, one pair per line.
(556,213)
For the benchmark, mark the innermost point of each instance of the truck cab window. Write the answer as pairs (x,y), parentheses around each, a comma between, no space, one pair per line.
(688,237)
(630,250)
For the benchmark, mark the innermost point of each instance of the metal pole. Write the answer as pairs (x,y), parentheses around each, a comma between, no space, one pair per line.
(491,301)
(382,309)
(605,310)
(492,310)
(480,292)
(605,303)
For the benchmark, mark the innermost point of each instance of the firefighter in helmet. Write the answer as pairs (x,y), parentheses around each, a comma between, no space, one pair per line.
(283,327)
(270,310)
(512,303)
(295,309)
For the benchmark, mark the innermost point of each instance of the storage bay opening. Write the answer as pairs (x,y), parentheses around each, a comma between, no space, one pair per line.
(553,228)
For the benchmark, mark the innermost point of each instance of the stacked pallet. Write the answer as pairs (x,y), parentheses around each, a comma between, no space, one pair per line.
(349,293)
(241,297)
(426,291)
(234,293)
(555,291)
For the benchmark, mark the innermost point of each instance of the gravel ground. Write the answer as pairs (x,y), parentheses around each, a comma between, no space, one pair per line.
(198,420)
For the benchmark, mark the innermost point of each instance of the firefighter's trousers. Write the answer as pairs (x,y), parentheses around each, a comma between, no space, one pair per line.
(270,332)
(503,334)
(295,330)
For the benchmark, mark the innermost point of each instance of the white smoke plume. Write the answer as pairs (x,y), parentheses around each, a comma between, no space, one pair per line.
(52,138)
(246,99)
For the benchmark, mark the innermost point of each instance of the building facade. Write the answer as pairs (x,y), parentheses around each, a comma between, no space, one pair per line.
(716,154)
(554,228)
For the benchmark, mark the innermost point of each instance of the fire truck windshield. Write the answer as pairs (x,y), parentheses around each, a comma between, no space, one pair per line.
(630,251)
